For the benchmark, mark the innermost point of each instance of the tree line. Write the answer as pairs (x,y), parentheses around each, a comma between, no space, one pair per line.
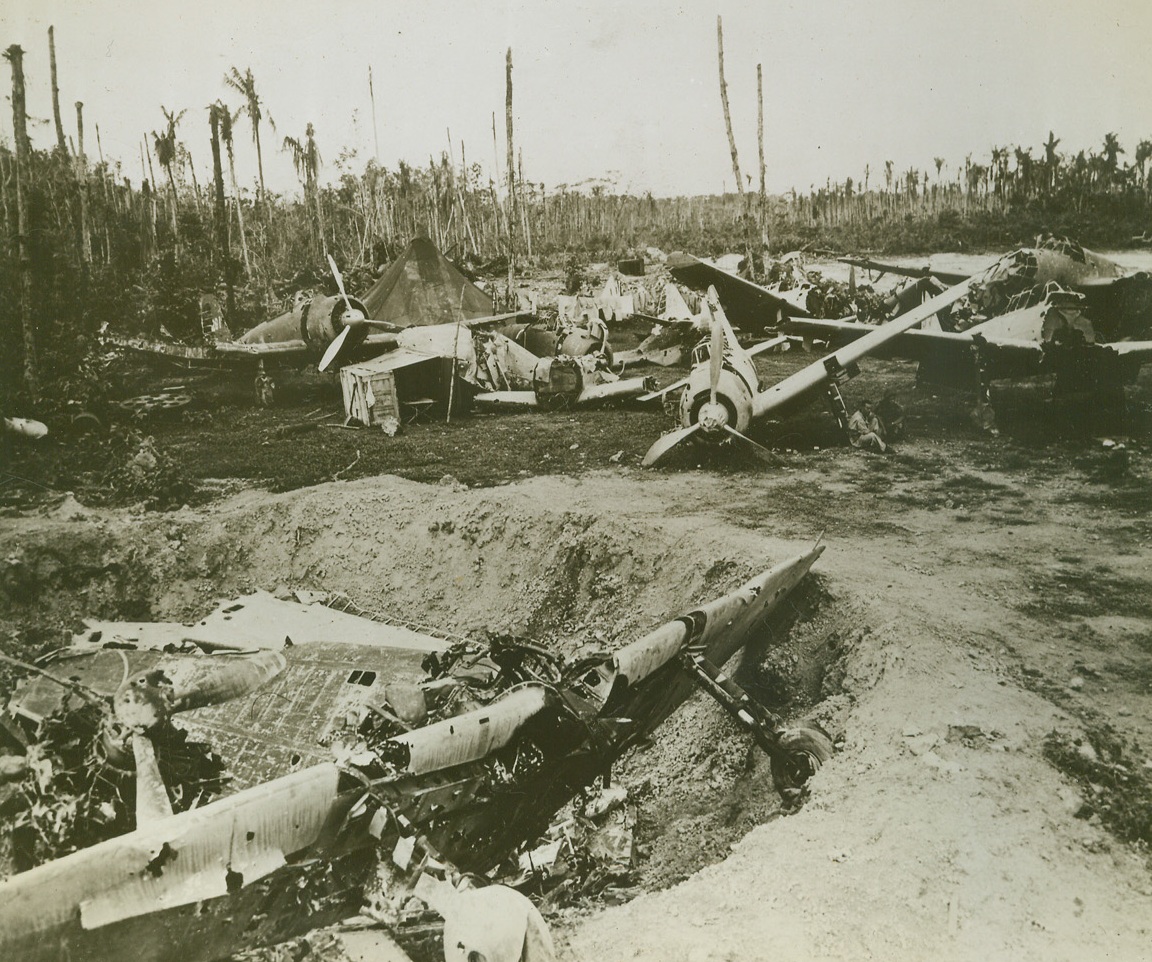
(86,244)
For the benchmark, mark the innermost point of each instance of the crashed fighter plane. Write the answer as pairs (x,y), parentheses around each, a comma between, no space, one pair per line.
(1053,308)
(420,288)
(370,752)
(722,395)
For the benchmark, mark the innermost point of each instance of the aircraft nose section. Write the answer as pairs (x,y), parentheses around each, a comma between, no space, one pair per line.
(713,416)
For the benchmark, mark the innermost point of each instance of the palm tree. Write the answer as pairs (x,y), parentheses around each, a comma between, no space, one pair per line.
(245,85)
(1111,160)
(167,152)
(306,159)
(1024,163)
(1112,152)
(1143,155)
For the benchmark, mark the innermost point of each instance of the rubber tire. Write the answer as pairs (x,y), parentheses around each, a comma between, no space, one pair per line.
(800,753)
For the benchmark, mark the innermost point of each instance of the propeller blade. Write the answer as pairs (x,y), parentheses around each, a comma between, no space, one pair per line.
(339,283)
(203,682)
(666,443)
(152,801)
(344,344)
(334,348)
(716,355)
(148,699)
(758,449)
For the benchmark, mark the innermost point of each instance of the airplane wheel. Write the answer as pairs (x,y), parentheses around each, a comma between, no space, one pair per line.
(799,755)
(86,423)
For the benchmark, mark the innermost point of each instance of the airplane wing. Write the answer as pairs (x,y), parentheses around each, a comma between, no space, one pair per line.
(828,368)
(768,345)
(172,349)
(625,387)
(336,661)
(945,277)
(1010,345)
(260,349)
(495,320)
(747,305)
(915,345)
(1133,349)
(523,399)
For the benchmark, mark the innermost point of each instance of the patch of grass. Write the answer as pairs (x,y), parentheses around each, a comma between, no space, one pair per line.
(973,483)
(1131,495)
(1116,787)
(1073,591)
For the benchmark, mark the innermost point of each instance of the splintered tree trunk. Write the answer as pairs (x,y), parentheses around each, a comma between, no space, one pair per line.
(82,186)
(221,215)
(61,143)
(744,197)
(15,57)
(239,210)
(527,228)
(760,143)
(511,171)
(195,184)
(375,133)
(724,103)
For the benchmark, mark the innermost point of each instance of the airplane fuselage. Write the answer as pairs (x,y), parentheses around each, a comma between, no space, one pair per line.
(316,321)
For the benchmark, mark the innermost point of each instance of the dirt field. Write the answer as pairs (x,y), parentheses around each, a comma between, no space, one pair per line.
(977,637)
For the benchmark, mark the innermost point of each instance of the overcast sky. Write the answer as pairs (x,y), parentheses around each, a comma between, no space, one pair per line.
(626,89)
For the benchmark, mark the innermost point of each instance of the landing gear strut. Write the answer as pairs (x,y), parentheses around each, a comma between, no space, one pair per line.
(796,753)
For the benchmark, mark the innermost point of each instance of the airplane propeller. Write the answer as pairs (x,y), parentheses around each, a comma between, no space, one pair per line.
(145,702)
(666,442)
(712,417)
(715,357)
(755,447)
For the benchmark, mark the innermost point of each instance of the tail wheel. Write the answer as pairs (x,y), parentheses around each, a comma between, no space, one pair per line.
(799,754)
(87,423)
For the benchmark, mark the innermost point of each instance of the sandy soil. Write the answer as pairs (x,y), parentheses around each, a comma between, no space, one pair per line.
(969,604)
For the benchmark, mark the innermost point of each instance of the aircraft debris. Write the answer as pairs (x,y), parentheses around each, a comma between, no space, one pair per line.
(559,383)
(25,428)
(449,756)
(1053,308)
(610,304)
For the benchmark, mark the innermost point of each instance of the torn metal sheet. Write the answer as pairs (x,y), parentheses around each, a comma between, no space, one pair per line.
(260,620)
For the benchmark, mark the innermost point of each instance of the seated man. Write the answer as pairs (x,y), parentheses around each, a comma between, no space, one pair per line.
(865,430)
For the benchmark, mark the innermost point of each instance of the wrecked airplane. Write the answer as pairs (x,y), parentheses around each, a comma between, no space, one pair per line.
(420,288)
(559,383)
(362,752)
(722,395)
(1053,308)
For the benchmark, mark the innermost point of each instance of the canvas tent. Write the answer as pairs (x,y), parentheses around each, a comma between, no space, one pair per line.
(422,287)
